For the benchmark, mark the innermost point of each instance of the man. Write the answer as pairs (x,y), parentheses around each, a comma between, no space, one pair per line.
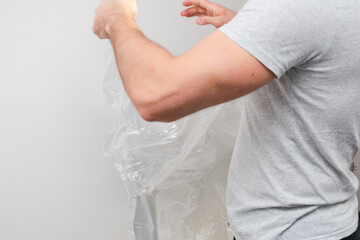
(297,64)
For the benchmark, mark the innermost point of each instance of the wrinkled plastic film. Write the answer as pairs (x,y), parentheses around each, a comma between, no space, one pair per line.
(145,226)
(175,172)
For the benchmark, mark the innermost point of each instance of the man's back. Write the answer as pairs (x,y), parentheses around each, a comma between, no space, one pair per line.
(290,175)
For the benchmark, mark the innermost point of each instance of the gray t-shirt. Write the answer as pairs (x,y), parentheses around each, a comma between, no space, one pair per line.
(290,174)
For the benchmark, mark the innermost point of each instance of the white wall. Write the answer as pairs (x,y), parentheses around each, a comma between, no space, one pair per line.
(54,181)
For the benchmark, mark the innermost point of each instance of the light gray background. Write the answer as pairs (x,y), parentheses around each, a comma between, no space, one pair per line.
(55,183)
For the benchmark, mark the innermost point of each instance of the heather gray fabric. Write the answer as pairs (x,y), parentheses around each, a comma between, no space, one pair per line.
(289,177)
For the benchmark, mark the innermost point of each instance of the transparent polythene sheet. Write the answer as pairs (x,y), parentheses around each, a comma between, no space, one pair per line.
(175,173)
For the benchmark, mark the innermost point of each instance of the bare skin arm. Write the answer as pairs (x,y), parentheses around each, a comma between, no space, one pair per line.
(166,88)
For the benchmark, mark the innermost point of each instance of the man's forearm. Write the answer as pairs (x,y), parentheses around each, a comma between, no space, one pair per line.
(165,88)
(143,65)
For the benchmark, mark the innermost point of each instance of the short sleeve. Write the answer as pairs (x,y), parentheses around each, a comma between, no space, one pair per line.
(282,34)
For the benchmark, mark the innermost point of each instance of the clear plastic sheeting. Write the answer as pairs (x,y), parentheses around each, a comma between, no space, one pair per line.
(175,173)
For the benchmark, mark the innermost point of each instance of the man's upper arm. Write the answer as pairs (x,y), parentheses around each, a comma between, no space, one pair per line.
(214,71)
(265,39)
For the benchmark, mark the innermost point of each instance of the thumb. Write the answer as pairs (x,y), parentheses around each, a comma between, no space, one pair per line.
(204,20)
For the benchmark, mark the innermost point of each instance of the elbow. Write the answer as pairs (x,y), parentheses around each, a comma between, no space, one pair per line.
(152,110)
(149,108)
(154,99)
(147,115)
(151,116)
(144,99)
(143,107)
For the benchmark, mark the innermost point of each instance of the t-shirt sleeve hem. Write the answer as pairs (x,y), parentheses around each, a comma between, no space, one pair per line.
(253,50)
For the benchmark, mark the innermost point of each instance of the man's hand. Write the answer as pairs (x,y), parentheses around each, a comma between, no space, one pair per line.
(207,12)
(111,12)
